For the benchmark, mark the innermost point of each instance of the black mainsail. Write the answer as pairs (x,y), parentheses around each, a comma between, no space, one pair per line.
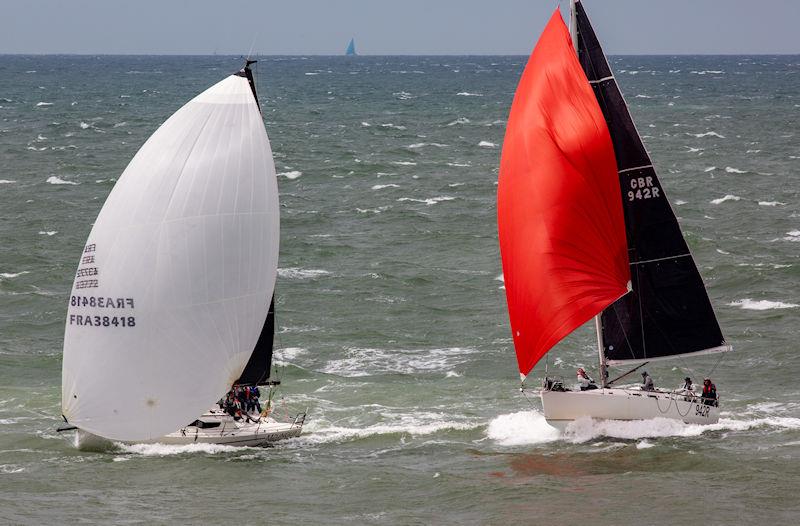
(668,312)
(257,370)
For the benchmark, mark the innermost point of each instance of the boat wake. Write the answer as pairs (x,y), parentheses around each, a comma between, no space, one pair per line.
(165,450)
(530,428)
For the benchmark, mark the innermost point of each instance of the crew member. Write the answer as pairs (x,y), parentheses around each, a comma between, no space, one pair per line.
(647,382)
(586,382)
(709,392)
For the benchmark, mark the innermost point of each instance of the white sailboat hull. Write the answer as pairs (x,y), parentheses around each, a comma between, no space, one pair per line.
(229,432)
(563,407)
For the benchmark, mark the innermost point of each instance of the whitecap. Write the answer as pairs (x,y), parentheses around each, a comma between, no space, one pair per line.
(468,94)
(164,450)
(301,273)
(644,444)
(6,181)
(710,169)
(48,232)
(12,275)
(57,180)
(460,120)
(365,361)
(293,174)
(679,202)
(404,163)
(40,104)
(365,124)
(749,304)
(85,125)
(460,165)
(487,144)
(431,201)
(728,197)
(771,203)
(706,134)
(289,354)
(640,96)
(382,186)
(393,126)
(423,144)
(732,170)
(521,428)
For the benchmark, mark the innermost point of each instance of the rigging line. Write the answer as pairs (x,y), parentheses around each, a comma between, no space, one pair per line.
(669,403)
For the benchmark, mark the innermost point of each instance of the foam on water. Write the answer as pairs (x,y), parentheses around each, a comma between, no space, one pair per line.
(12,275)
(57,180)
(732,170)
(487,144)
(43,104)
(301,273)
(369,361)
(706,134)
(728,197)
(164,450)
(749,304)
(293,174)
(429,202)
(530,427)
(460,120)
(771,203)
(468,94)
(382,186)
(6,181)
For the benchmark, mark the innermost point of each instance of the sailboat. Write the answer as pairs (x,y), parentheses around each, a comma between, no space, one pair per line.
(586,231)
(351,48)
(173,299)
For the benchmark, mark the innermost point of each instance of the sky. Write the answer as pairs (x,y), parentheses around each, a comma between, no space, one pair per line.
(384,27)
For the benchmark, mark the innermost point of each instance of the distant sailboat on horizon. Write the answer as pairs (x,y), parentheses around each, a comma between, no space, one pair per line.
(351,48)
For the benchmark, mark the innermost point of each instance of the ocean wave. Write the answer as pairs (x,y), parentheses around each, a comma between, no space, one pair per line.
(48,232)
(459,165)
(423,144)
(460,120)
(6,181)
(382,186)
(57,180)
(468,94)
(301,273)
(367,361)
(487,144)
(706,134)
(392,126)
(292,174)
(165,450)
(771,203)
(732,170)
(403,95)
(12,275)
(710,169)
(288,354)
(429,202)
(404,163)
(728,197)
(43,104)
(419,423)
(679,202)
(530,428)
(749,304)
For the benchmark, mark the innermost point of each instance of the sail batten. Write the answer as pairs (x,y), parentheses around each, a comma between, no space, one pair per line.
(668,313)
(560,223)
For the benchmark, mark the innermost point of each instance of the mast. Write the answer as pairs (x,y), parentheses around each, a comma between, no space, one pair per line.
(573,34)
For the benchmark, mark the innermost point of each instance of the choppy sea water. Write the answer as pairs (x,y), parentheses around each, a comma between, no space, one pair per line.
(392,323)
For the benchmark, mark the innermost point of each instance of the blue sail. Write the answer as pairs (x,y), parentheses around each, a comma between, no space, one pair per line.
(351,48)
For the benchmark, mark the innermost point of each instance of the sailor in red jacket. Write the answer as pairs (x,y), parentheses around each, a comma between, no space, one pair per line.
(709,392)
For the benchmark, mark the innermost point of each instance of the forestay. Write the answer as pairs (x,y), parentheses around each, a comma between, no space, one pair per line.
(177,275)
(668,312)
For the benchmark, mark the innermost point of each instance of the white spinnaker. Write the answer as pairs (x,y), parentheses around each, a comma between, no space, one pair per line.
(184,254)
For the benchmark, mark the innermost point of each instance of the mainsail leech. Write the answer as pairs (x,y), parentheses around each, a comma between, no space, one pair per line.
(668,312)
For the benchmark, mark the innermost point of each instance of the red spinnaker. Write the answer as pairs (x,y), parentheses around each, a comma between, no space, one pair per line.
(559,206)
